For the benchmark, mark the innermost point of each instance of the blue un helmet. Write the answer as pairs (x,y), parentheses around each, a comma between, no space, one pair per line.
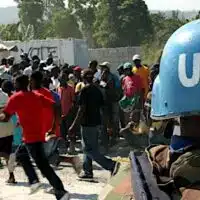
(176,90)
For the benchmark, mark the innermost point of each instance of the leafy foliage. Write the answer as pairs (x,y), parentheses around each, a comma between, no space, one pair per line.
(84,11)
(65,25)
(163,28)
(104,23)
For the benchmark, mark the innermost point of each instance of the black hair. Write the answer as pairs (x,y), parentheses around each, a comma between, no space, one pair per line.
(66,65)
(7,87)
(94,63)
(4,61)
(35,57)
(22,82)
(46,82)
(49,61)
(88,75)
(37,76)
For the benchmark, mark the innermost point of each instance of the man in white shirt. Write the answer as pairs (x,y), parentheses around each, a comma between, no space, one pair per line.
(35,66)
(6,137)
(54,71)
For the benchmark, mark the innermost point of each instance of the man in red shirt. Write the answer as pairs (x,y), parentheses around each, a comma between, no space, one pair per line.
(48,113)
(29,108)
(67,95)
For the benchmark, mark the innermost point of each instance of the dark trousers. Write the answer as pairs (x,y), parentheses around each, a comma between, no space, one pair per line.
(90,145)
(36,150)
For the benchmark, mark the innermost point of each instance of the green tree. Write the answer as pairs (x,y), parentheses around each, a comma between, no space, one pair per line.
(31,13)
(64,25)
(10,32)
(122,23)
(52,6)
(136,23)
(163,28)
(84,11)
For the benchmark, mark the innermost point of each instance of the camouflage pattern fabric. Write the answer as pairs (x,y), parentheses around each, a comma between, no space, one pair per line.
(186,169)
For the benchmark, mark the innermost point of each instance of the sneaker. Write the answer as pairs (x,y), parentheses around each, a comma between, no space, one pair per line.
(50,191)
(11,179)
(85,177)
(116,169)
(76,163)
(66,196)
(35,188)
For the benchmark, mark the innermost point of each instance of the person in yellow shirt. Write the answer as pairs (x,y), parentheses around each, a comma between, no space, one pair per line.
(143,72)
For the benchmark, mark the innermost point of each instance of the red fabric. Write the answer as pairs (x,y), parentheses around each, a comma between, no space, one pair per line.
(29,108)
(131,85)
(78,69)
(67,95)
(48,113)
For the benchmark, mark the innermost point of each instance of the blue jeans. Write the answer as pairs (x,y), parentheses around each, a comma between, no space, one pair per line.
(91,152)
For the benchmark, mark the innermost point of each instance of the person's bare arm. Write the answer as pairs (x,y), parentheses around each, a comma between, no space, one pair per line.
(78,118)
(4,117)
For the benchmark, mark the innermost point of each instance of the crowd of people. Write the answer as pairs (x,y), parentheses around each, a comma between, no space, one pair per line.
(45,108)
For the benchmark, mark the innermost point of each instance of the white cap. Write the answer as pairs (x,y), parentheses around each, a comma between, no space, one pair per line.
(106,64)
(136,57)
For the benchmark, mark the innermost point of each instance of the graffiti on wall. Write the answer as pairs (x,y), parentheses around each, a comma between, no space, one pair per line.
(42,52)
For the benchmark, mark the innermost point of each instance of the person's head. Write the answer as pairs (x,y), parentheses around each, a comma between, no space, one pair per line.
(65,66)
(36,80)
(8,87)
(42,65)
(105,74)
(3,61)
(24,56)
(128,69)
(64,78)
(88,76)
(35,64)
(55,71)
(72,77)
(21,83)
(93,65)
(10,60)
(137,60)
(120,69)
(77,72)
(46,82)
(49,61)
(104,66)
(35,57)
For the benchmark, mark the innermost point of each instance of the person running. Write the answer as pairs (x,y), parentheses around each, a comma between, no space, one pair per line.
(37,83)
(29,106)
(6,137)
(90,103)
(8,88)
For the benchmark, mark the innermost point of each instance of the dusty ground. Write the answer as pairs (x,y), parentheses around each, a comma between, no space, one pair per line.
(79,190)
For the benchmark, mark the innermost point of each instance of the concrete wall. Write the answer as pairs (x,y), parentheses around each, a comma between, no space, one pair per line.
(71,51)
(115,56)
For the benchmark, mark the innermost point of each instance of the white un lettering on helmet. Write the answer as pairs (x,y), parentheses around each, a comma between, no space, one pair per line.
(191,81)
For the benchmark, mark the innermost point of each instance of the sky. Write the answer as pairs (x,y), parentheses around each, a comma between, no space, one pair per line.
(152,4)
